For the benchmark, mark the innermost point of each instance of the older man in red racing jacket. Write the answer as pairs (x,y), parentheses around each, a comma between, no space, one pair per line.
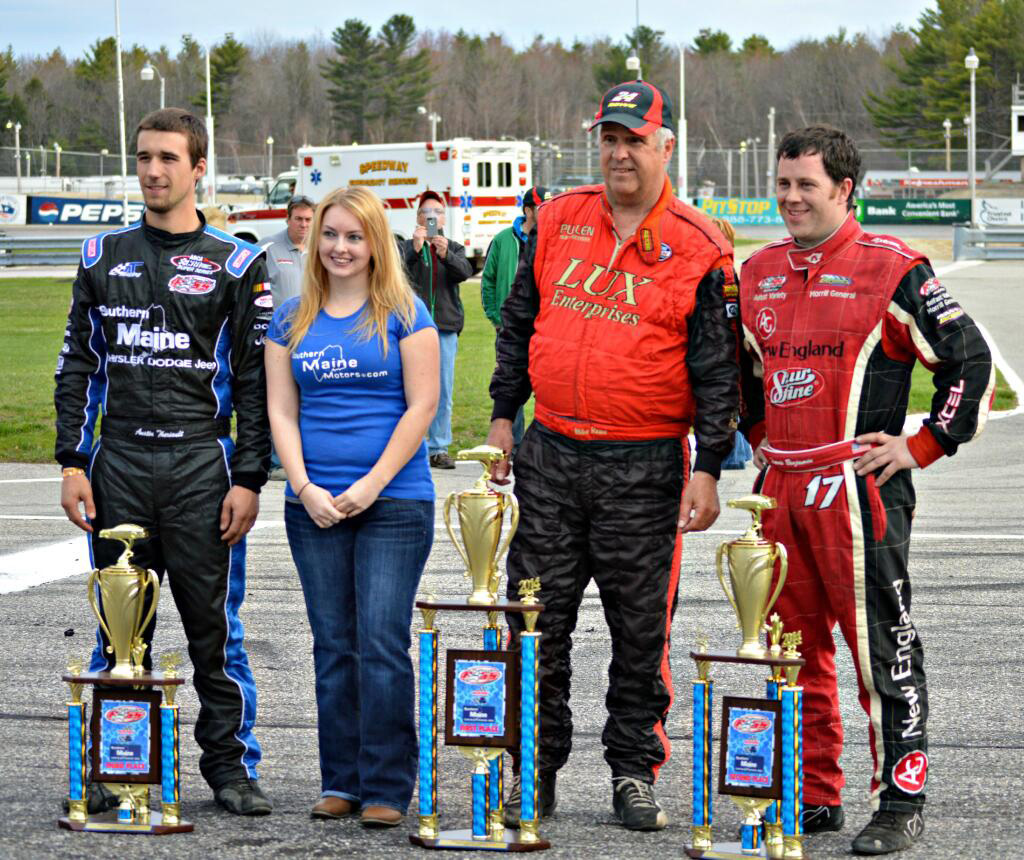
(620,322)
(834,319)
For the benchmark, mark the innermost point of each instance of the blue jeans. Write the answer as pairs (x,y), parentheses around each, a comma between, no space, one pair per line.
(359,578)
(439,436)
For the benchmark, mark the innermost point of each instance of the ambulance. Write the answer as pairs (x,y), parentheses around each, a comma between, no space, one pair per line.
(481,181)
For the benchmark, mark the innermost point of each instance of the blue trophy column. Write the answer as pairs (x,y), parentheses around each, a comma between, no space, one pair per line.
(528,735)
(772,825)
(428,730)
(703,699)
(495,776)
(480,800)
(76,760)
(792,768)
(170,777)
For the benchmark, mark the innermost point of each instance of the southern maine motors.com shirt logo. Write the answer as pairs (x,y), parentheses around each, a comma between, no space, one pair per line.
(794,386)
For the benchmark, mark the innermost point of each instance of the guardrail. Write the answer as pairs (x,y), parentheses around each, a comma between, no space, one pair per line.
(24,251)
(991,244)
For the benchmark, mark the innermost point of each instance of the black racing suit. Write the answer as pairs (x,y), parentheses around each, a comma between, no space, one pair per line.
(165,340)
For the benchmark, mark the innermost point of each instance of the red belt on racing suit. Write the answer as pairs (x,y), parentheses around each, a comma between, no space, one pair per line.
(814,459)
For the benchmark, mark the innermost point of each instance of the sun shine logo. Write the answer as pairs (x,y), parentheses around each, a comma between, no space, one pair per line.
(794,385)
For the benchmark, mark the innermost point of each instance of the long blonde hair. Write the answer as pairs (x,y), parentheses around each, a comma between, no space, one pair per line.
(389,288)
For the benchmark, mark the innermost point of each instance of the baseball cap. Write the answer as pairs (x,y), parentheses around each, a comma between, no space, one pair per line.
(638,105)
(535,196)
(430,195)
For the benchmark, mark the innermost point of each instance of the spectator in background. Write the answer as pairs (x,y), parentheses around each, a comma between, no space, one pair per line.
(352,383)
(286,257)
(500,271)
(436,266)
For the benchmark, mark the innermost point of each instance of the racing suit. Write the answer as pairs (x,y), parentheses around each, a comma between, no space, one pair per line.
(831,334)
(625,344)
(165,337)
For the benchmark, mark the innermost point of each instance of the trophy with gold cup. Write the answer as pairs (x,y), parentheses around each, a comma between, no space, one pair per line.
(760,765)
(134,725)
(491,698)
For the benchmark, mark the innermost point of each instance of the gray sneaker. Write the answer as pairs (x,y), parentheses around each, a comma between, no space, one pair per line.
(243,797)
(888,831)
(635,804)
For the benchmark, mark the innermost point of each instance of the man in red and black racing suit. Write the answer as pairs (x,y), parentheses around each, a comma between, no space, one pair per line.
(833,320)
(619,322)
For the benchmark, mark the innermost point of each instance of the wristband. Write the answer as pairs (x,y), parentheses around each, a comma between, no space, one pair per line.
(298,495)
(68,471)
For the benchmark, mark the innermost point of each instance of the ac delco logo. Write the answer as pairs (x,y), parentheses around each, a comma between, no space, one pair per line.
(191,285)
(124,714)
(795,386)
(479,675)
(751,724)
(765,322)
(910,773)
(194,264)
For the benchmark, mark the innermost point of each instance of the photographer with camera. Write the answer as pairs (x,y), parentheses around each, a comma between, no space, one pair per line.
(436,266)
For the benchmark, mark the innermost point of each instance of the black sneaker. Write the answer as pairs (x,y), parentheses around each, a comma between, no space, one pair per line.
(441,460)
(548,800)
(243,797)
(99,799)
(822,819)
(889,831)
(635,804)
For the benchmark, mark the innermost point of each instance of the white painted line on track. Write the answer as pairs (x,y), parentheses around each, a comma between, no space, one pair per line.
(30,481)
(957,266)
(30,517)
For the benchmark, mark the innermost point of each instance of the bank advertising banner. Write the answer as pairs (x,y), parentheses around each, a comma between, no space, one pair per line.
(742,210)
(912,211)
(998,212)
(79,210)
(12,209)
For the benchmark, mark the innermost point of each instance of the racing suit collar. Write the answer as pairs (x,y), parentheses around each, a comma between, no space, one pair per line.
(801,259)
(172,240)
(648,234)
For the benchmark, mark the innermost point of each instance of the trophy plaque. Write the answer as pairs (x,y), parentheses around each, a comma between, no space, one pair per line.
(132,740)
(761,754)
(491,698)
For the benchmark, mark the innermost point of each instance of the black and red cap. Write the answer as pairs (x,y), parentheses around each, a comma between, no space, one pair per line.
(535,196)
(638,105)
(430,195)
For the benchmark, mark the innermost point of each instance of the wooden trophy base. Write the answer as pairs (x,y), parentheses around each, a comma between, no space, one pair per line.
(106,822)
(463,839)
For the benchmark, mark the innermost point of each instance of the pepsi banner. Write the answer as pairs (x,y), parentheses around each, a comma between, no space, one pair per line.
(80,210)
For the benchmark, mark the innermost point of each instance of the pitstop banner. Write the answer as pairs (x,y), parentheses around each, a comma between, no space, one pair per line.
(79,210)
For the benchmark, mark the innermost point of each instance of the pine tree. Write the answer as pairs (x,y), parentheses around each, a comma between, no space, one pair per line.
(226,63)
(405,74)
(710,41)
(353,79)
(653,53)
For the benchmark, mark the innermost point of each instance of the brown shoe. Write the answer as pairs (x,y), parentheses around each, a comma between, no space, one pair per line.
(441,460)
(330,806)
(380,816)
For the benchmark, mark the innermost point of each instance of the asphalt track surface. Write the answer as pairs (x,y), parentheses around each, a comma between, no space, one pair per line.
(966,571)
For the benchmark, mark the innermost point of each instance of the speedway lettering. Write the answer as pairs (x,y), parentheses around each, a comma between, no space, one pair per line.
(397,166)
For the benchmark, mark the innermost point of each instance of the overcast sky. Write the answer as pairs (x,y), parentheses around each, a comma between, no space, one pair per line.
(38,26)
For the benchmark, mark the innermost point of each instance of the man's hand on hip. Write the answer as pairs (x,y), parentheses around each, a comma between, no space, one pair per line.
(238,514)
(891,452)
(700,507)
(76,492)
(500,436)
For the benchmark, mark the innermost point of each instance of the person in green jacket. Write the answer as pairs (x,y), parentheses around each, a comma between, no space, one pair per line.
(500,271)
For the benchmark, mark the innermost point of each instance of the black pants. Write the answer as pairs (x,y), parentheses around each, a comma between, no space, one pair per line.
(175,491)
(605,511)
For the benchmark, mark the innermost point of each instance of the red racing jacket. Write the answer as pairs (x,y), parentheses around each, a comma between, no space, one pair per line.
(623,340)
(831,334)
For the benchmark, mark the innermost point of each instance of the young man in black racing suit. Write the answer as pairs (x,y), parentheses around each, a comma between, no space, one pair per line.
(165,340)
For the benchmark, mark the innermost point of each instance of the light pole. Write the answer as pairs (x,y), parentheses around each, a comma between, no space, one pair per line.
(270,155)
(120,114)
(57,151)
(681,135)
(585,125)
(103,154)
(947,133)
(17,149)
(147,72)
(743,168)
(971,63)
(434,119)
(211,152)
(769,174)
(757,174)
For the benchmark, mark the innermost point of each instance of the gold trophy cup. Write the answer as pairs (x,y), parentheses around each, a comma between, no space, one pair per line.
(122,593)
(751,565)
(481,513)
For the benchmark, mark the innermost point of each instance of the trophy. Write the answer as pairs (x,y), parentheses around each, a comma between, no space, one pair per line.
(760,762)
(134,726)
(751,566)
(481,513)
(491,697)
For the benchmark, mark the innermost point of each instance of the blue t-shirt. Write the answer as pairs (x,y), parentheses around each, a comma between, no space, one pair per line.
(350,399)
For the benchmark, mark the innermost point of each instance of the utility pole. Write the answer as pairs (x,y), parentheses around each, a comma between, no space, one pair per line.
(681,136)
(770,155)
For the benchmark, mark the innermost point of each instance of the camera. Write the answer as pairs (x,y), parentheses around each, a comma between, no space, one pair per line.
(431,226)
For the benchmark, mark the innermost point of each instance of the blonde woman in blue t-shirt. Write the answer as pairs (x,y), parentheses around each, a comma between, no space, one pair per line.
(352,385)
